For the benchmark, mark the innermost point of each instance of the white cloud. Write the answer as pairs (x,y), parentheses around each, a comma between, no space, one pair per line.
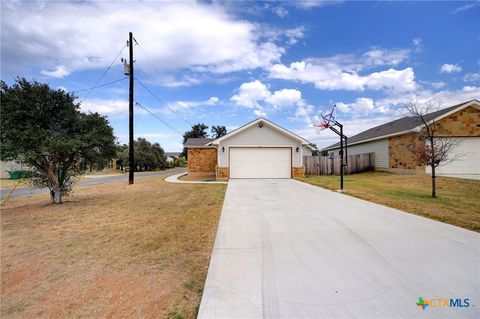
(250,93)
(284,98)
(378,57)
(280,11)
(332,76)
(450,68)
(257,96)
(308,4)
(438,85)
(64,37)
(111,108)
(472,77)
(189,105)
(114,108)
(417,44)
(59,72)
(294,34)
(361,106)
(467,6)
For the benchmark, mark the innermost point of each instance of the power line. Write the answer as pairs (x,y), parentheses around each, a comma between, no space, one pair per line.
(106,70)
(158,118)
(163,102)
(100,85)
(155,68)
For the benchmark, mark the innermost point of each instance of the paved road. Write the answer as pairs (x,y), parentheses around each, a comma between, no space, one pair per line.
(26,191)
(285,249)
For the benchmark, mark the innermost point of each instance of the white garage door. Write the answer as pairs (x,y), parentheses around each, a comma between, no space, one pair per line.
(467,165)
(262,162)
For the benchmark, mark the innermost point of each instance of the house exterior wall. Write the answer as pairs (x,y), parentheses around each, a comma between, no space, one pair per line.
(306,151)
(257,137)
(465,122)
(380,148)
(401,151)
(202,161)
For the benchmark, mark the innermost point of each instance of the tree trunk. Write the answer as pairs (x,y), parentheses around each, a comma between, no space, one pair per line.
(55,191)
(434,192)
(433,159)
(56,196)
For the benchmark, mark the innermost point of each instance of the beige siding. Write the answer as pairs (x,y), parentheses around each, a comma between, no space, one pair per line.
(307,151)
(380,148)
(258,137)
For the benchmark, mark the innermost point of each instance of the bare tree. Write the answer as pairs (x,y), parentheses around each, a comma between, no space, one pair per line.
(434,148)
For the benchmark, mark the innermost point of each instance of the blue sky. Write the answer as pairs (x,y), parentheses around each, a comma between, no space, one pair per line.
(226,63)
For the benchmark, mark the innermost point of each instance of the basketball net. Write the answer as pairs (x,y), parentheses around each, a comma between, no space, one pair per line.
(328,120)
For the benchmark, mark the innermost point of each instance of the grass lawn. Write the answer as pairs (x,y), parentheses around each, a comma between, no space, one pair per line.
(458,201)
(110,251)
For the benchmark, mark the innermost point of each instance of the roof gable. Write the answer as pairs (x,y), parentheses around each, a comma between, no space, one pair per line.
(264,121)
(197,142)
(403,125)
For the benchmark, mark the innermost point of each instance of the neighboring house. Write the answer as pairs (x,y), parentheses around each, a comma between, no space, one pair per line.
(392,142)
(8,166)
(259,149)
(172,156)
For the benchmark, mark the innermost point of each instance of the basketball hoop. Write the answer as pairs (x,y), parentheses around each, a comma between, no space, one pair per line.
(319,127)
(328,120)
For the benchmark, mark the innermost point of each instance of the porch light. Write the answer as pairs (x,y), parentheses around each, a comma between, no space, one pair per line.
(223,149)
(297,149)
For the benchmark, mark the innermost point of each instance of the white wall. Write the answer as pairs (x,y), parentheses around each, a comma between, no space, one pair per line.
(466,163)
(380,148)
(255,136)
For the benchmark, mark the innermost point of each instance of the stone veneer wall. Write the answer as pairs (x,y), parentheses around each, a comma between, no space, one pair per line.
(298,172)
(400,151)
(463,123)
(223,173)
(202,161)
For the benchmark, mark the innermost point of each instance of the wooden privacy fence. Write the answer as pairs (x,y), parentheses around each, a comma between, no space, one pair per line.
(326,165)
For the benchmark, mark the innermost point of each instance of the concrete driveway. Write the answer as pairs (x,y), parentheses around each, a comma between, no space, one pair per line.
(285,249)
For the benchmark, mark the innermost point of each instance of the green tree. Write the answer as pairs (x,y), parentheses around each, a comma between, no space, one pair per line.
(218,131)
(45,128)
(148,156)
(122,156)
(198,130)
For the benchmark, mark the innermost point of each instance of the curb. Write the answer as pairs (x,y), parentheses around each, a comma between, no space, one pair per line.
(174,179)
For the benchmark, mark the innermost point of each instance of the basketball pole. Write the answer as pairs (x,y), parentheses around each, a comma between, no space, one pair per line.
(343,158)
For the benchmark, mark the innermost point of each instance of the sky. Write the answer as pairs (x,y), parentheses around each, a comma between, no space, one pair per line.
(228,63)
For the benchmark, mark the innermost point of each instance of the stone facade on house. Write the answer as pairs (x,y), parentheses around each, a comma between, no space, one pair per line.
(463,123)
(202,161)
(223,173)
(298,172)
(401,151)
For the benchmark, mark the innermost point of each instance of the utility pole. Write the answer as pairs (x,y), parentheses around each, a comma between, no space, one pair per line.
(131,154)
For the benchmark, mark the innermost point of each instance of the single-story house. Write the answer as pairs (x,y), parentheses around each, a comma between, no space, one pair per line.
(258,149)
(172,156)
(392,142)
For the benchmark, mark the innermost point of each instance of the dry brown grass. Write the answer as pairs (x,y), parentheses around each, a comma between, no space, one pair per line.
(458,201)
(110,251)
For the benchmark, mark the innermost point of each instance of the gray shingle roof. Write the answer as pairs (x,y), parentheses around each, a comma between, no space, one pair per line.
(173,154)
(197,141)
(396,126)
